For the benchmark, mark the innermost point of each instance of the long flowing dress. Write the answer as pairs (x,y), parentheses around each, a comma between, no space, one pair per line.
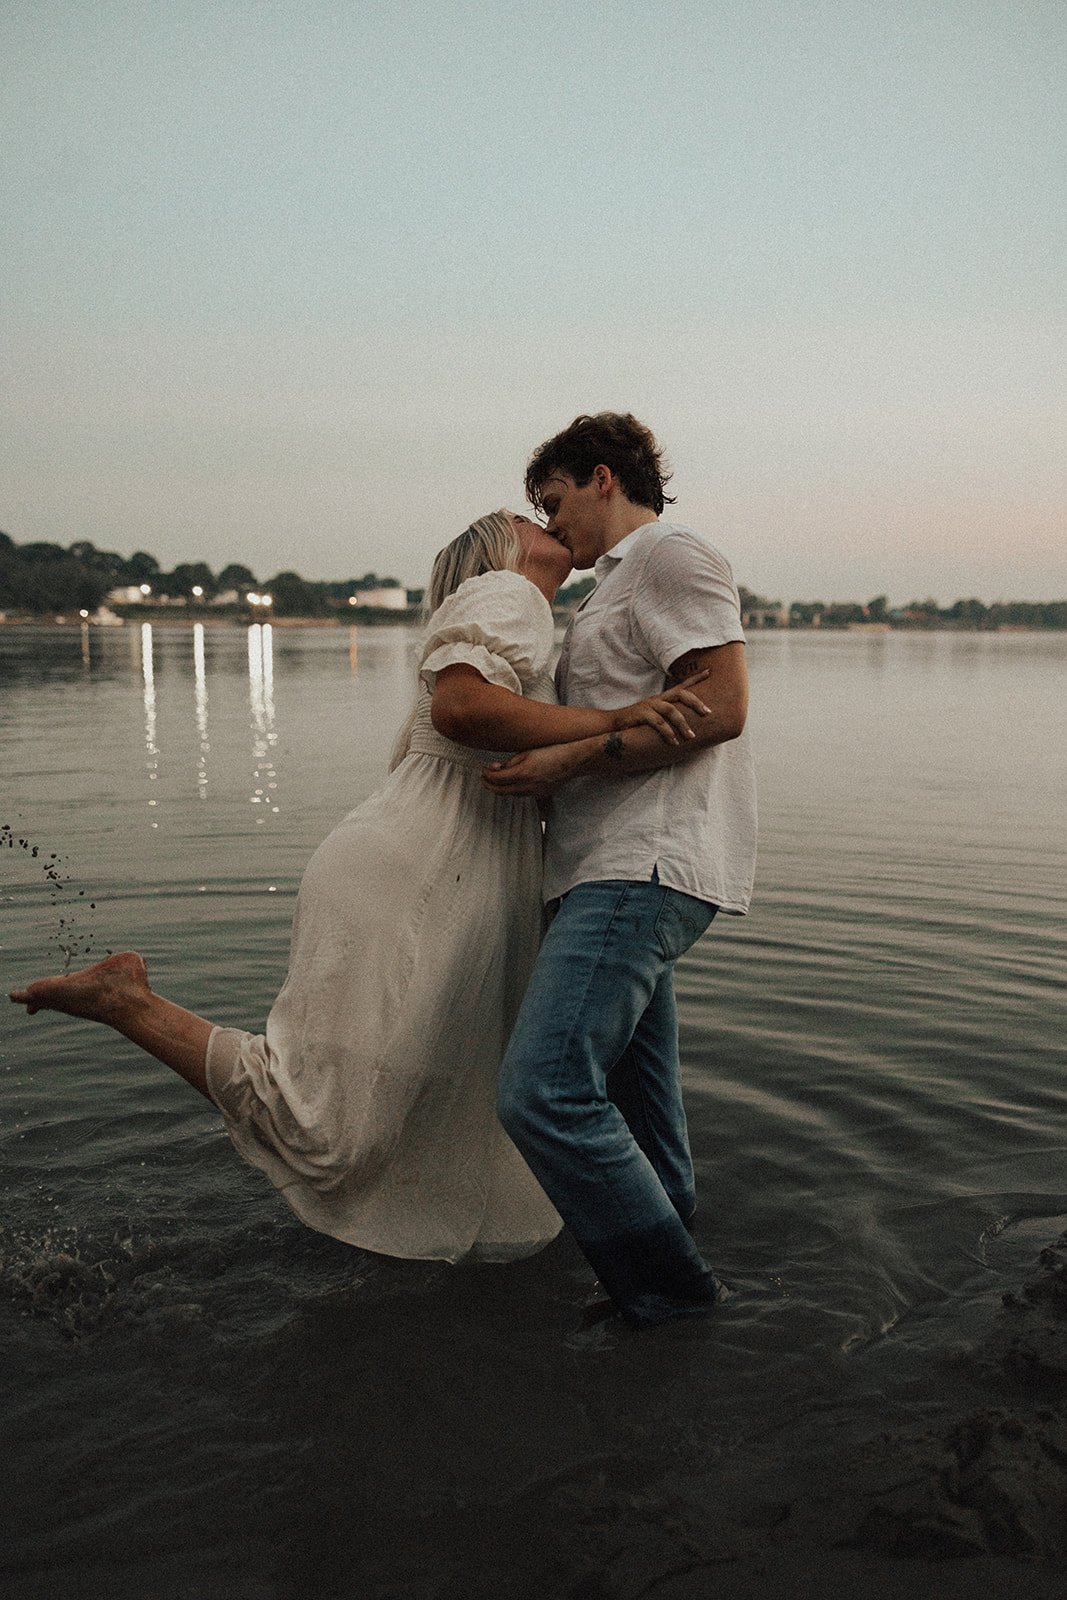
(370,1099)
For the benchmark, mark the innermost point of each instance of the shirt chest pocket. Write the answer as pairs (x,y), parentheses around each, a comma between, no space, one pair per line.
(604,664)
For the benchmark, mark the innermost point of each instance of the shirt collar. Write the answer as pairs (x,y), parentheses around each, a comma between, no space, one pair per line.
(611,558)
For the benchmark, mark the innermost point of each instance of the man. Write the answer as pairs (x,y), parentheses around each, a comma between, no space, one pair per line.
(645,843)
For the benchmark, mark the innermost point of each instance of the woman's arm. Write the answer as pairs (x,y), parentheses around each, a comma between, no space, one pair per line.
(487,717)
(539,772)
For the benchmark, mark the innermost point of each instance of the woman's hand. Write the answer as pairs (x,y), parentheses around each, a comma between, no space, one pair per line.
(662,712)
(536,773)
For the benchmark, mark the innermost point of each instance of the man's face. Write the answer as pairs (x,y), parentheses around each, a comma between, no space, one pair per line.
(576,516)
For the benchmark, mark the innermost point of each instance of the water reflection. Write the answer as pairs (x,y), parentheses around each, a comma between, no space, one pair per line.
(264,733)
(353,650)
(149,682)
(200,695)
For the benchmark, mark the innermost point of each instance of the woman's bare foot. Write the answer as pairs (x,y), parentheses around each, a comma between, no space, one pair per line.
(116,991)
(102,993)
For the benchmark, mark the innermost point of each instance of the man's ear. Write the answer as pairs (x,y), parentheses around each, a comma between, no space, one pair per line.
(604,479)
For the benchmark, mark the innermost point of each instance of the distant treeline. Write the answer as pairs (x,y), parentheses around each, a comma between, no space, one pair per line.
(44,578)
(759,612)
(41,578)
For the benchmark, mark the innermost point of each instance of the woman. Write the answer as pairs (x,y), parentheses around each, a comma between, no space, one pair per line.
(369,1100)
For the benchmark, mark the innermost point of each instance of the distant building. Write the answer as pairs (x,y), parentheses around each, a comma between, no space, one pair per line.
(384,599)
(772,615)
(136,594)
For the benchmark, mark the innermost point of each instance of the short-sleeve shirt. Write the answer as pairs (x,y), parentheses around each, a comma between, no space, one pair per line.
(661,592)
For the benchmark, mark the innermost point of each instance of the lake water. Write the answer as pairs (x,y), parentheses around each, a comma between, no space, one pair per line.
(201,1398)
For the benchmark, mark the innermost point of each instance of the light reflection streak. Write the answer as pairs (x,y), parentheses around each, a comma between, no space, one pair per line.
(200,691)
(264,732)
(149,680)
(268,681)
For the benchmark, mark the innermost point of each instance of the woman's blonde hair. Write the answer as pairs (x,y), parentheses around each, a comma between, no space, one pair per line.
(488,545)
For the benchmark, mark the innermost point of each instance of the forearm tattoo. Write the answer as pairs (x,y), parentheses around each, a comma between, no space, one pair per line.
(613,745)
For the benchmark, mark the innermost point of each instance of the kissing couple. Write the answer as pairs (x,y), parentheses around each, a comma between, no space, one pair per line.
(448,1072)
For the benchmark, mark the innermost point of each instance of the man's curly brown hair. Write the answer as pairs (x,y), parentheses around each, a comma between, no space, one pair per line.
(611,439)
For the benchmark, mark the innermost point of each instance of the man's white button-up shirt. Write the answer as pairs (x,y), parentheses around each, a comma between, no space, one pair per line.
(660,593)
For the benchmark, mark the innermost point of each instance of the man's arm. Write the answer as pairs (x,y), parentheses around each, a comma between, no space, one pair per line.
(724,691)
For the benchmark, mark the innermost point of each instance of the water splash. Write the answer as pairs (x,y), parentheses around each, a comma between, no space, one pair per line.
(72,933)
(82,1283)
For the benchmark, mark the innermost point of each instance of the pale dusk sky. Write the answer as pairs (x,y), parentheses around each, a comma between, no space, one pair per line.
(301,285)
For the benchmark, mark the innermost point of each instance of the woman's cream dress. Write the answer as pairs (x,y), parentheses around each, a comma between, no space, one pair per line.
(370,1100)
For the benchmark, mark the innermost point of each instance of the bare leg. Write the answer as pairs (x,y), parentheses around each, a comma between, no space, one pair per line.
(116,992)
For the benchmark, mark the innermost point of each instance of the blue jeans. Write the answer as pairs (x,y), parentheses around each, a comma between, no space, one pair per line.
(589,1091)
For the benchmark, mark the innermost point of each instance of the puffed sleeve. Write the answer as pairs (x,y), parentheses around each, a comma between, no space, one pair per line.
(499,623)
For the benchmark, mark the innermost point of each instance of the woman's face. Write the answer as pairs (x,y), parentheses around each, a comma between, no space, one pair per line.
(539,549)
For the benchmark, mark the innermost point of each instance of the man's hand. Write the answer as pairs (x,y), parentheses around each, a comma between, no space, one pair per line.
(534,772)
